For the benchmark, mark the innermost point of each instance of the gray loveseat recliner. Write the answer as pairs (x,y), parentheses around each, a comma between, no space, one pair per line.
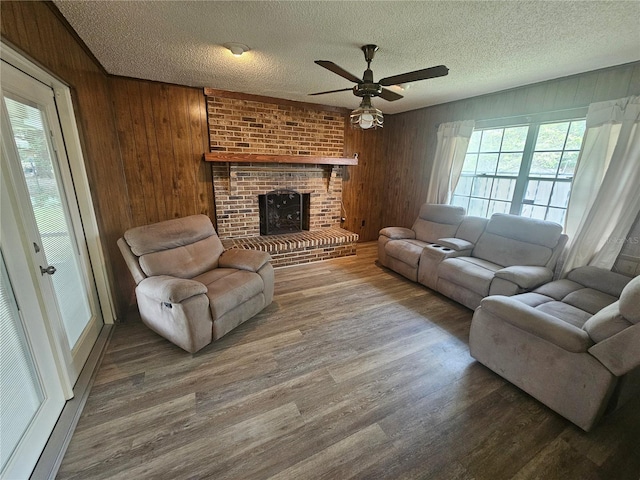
(468,258)
(571,343)
(513,255)
(189,290)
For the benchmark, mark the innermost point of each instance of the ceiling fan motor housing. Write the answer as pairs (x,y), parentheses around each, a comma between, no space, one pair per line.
(367,89)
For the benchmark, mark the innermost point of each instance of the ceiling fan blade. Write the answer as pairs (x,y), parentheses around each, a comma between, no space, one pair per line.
(390,96)
(333,91)
(338,70)
(425,73)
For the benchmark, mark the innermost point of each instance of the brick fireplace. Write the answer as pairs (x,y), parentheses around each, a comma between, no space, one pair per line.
(243,126)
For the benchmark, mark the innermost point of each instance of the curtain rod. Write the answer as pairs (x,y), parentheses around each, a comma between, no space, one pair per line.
(550,115)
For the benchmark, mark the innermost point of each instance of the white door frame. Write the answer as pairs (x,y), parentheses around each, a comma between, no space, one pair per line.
(80,179)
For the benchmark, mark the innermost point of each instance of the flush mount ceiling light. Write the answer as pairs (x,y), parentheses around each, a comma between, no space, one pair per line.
(236,48)
(366,115)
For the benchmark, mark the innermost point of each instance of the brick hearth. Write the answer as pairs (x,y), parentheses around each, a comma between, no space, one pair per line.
(303,247)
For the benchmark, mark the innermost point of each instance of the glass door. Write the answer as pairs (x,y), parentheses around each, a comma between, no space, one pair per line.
(39,171)
(31,385)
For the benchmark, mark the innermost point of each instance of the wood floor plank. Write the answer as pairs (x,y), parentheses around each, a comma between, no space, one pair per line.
(352,372)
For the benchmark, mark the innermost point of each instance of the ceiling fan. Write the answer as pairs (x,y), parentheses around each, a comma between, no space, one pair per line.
(367,116)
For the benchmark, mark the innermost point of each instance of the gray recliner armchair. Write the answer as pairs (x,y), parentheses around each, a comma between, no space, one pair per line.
(189,290)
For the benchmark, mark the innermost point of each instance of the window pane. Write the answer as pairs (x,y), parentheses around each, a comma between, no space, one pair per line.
(514,139)
(534,211)
(568,164)
(545,164)
(481,187)
(487,163)
(498,207)
(576,132)
(551,136)
(464,186)
(477,207)
(538,192)
(460,201)
(560,195)
(491,140)
(470,161)
(509,163)
(503,189)
(556,215)
(474,141)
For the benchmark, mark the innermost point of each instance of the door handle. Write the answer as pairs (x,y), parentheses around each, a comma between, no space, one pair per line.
(49,270)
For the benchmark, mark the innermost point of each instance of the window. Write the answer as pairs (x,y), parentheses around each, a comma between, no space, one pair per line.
(522,169)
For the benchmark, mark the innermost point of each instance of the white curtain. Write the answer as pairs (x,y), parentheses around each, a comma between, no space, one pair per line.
(453,140)
(605,195)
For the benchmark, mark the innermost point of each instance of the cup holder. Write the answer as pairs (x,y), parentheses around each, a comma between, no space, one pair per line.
(445,249)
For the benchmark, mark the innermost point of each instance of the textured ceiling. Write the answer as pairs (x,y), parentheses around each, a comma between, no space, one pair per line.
(487,45)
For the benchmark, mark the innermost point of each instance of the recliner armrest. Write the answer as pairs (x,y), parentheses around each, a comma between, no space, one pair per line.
(251,260)
(457,244)
(526,277)
(398,233)
(165,288)
(541,324)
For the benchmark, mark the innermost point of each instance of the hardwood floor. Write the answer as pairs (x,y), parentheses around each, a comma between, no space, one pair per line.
(352,372)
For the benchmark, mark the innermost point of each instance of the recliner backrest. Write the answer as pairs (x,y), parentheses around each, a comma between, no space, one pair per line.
(513,240)
(181,247)
(437,221)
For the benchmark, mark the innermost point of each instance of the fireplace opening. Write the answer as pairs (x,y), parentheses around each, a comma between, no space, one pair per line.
(283,211)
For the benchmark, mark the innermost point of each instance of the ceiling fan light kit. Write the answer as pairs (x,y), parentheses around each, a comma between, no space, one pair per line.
(366,115)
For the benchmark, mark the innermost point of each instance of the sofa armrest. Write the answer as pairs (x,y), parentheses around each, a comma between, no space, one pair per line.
(620,352)
(526,277)
(167,289)
(397,233)
(456,244)
(241,259)
(540,324)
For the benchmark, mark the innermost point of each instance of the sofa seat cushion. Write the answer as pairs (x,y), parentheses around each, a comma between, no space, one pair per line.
(558,289)
(533,299)
(229,291)
(589,300)
(407,251)
(471,273)
(565,312)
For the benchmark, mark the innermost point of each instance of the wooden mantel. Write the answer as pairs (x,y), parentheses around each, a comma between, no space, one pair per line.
(260,158)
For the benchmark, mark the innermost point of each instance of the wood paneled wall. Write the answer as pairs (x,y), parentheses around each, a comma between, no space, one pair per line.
(162,131)
(363,184)
(35,29)
(410,138)
(142,141)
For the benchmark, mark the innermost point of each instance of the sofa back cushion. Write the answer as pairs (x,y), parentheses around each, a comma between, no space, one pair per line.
(181,247)
(471,228)
(513,240)
(597,278)
(630,301)
(437,221)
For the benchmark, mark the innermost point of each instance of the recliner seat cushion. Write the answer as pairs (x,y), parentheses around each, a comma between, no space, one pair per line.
(589,300)
(565,312)
(471,273)
(407,251)
(233,290)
